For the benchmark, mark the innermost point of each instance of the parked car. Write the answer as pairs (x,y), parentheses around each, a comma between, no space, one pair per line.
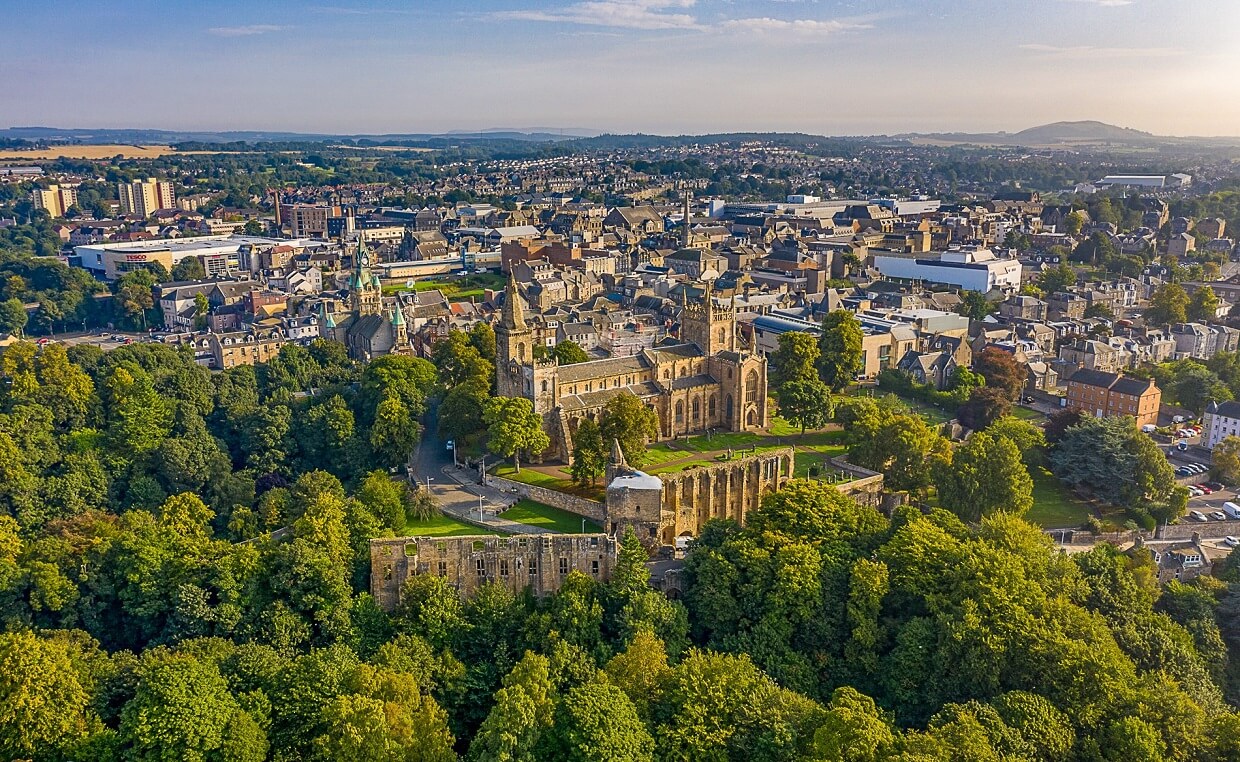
(1194,492)
(1230,541)
(1215,485)
(1204,489)
(1218,515)
(1182,471)
(1197,516)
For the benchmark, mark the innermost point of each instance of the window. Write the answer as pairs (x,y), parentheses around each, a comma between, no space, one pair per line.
(503,568)
(594,568)
(443,568)
(563,566)
(482,568)
(533,568)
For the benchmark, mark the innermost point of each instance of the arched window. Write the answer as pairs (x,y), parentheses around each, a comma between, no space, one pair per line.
(680,412)
(751,386)
(710,407)
(544,386)
(667,373)
(723,335)
(521,351)
(697,409)
(683,371)
(727,407)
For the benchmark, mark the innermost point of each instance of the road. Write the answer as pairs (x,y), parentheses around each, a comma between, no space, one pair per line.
(455,489)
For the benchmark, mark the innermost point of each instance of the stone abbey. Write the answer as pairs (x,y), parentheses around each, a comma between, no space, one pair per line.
(705,380)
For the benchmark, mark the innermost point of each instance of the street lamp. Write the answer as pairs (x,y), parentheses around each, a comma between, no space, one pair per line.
(428,485)
(480,517)
(583,526)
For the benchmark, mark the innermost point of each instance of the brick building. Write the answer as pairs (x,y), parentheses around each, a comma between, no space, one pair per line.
(1099,394)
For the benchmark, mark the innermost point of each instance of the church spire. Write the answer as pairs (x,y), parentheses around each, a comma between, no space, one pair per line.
(513,315)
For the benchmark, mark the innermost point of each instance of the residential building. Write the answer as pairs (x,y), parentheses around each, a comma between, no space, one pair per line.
(55,199)
(1222,420)
(1100,394)
(143,197)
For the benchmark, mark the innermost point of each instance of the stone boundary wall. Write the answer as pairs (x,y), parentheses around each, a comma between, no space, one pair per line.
(590,509)
(1205,529)
(866,486)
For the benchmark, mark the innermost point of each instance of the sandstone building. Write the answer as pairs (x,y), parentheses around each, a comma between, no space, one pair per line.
(539,562)
(707,380)
(371,329)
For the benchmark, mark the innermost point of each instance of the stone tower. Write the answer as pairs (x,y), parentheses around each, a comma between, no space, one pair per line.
(365,291)
(711,327)
(400,332)
(514,346)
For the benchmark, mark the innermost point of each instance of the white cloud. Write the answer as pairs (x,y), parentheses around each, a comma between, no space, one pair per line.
(628,14)
(244,31)
(795,26)
(1090,51)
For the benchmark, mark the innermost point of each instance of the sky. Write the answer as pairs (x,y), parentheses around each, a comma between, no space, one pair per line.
(835,67)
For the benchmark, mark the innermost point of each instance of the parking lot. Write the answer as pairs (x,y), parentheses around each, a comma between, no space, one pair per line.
(105,340)
(1206,504)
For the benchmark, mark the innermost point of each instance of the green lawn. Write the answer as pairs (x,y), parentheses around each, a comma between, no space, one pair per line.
(1027,414)
(540,479)
(546,517)
(442,526)
(1054,507)
(454,289)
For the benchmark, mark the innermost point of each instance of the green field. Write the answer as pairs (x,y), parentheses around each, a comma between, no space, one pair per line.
(442,526)
(454,289)
(1027,414)
(546,517)
(1054,507)
(540,479)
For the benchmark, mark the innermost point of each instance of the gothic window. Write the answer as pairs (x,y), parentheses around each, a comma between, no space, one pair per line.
(544,386)
(751,386)
(680,412)
(667,373)
(697,409)
(723,335)
(521,351)
(727,407)
(710,407)
(683,371)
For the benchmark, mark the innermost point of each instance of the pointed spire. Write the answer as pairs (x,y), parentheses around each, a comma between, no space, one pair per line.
(328,320)
(513,315)
(398,317)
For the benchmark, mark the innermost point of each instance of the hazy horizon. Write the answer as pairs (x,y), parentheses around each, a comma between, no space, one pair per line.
(829,67)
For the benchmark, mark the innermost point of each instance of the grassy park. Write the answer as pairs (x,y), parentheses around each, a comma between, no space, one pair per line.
(547,517)
(455,289)
(1054,506)
(442,525)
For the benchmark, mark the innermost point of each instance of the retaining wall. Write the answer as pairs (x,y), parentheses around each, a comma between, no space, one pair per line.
(591,509)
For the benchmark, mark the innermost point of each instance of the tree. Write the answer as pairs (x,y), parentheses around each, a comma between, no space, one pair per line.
(569,352)
(135,295)
(974,305)
(628,420)
(1001,371)
(43,702)
(1095,250)
(180,710)
(458,362)
(589,453)
(795,359)
(482,337)
(513,427)
(1202,305)
(13,317)
(1057,278)
(1073,223)
(394,431)
(985,475)
(805,403)
(598,721)
(840,349)
(189,268)
(1227,460)
(1168,304)
(524,710)
(460,413)
(253,227)
(901,446)
(1029,439)
(984,406)
(1113,459)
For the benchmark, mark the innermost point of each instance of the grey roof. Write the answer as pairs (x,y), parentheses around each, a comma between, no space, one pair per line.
(584,371)
(688,382)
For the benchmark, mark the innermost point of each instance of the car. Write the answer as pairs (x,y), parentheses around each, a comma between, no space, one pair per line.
(1231,541)
(1198,468)
(1204,489)
(1218,515)
(1197,516)
(1027,399)
(1194,492)
(1182,471)
(1215,485)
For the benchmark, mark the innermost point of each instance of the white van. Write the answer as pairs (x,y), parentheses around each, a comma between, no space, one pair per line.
(1232,510)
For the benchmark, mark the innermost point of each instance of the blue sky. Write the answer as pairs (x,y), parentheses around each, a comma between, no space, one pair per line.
(665,66)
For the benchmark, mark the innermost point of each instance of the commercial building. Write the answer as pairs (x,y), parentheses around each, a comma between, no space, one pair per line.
(306,220)
(143,197)
(975,269)
(1099,394)
(55,199)
(219,254)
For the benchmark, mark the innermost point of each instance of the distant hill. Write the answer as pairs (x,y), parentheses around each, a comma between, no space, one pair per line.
(140,136)
(1059,132)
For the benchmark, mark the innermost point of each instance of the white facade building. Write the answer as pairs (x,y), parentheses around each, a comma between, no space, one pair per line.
(975,269)
(1222,420)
